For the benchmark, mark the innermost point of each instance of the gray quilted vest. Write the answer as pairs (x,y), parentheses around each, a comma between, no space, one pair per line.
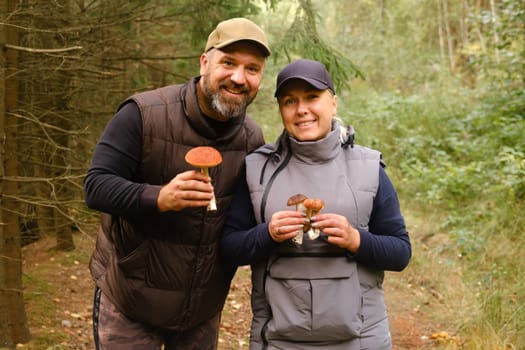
(314,295)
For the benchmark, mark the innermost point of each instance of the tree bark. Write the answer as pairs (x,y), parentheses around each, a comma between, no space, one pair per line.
(479,30)
(450,43)
(12,253)
(494,20)
(61,160)
(52,126)
(441,33)
(5,334)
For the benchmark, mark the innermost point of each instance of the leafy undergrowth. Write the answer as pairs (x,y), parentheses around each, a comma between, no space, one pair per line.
(59,292)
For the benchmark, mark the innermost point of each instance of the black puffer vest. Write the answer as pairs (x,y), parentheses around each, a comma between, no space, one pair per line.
(163,268)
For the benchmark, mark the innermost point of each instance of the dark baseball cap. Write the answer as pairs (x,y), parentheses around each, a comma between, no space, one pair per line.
(237,29)
(313,72)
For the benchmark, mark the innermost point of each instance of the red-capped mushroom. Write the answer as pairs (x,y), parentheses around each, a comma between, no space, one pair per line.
(313,206)
(204,157)
(297,200)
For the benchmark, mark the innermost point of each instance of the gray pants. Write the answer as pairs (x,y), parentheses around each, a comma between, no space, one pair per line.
(114,331)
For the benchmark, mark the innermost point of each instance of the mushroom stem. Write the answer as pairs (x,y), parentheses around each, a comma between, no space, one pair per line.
(314,232)
(298,239)
(313,207)
(212,206)
(308,216)
(298,200)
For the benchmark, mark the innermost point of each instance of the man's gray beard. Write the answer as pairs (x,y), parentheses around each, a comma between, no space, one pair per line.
(227,110)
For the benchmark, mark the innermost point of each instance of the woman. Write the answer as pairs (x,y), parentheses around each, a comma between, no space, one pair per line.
(324,292)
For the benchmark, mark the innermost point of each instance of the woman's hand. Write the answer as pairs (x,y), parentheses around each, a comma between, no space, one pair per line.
(339,231)
(285,225)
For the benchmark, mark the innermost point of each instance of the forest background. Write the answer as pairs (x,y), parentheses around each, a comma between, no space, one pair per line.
(436,85)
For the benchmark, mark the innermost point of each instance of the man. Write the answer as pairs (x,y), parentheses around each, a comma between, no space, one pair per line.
(156,263)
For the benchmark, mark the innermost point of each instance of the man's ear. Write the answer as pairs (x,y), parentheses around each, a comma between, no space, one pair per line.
(204,61)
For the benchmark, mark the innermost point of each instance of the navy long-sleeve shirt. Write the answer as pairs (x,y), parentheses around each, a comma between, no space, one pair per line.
(385,246)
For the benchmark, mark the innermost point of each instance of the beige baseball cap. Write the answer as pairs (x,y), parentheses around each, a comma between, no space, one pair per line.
(236,29)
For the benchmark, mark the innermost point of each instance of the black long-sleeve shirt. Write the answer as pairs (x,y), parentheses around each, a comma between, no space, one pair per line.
(109,185)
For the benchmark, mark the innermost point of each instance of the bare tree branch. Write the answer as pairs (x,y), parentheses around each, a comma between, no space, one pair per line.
(30,49)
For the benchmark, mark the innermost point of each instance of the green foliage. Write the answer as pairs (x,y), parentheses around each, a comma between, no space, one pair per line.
(461,151)
(503,62)
(303,40)
(395,44)
(197,29)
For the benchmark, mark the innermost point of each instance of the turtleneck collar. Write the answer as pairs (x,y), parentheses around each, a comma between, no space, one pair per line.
(201,122)
(319,151)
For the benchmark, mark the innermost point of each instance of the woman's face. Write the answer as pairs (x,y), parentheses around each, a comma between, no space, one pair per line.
(306,112)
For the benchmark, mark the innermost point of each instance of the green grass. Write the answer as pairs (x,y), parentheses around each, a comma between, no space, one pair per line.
(39,296)
(58,294)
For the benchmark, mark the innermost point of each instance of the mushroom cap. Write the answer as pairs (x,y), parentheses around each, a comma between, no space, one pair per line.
(313,203)
(203,157)
(296,199)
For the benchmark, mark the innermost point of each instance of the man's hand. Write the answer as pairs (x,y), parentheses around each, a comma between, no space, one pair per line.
(188,189)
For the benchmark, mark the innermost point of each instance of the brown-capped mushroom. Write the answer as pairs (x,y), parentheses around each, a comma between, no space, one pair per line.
(297,200)
(313,206)
(204,157)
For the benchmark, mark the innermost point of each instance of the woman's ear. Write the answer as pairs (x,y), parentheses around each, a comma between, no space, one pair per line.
(334,104)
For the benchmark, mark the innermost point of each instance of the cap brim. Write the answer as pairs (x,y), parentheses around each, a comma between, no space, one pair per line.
(260,44)
(314,82)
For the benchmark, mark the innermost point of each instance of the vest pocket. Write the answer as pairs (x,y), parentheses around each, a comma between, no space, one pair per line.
(313,299)
(133,264)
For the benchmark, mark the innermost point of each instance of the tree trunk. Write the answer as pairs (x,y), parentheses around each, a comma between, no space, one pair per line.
(464,28)
(441,33)
(52,127)
(479,31)
(63,226)
(450,43)
(382,15)
(12,253)
(494,17)
(61,160)
(5,334)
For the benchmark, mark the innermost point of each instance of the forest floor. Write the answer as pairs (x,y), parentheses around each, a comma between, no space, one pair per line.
(59,294)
